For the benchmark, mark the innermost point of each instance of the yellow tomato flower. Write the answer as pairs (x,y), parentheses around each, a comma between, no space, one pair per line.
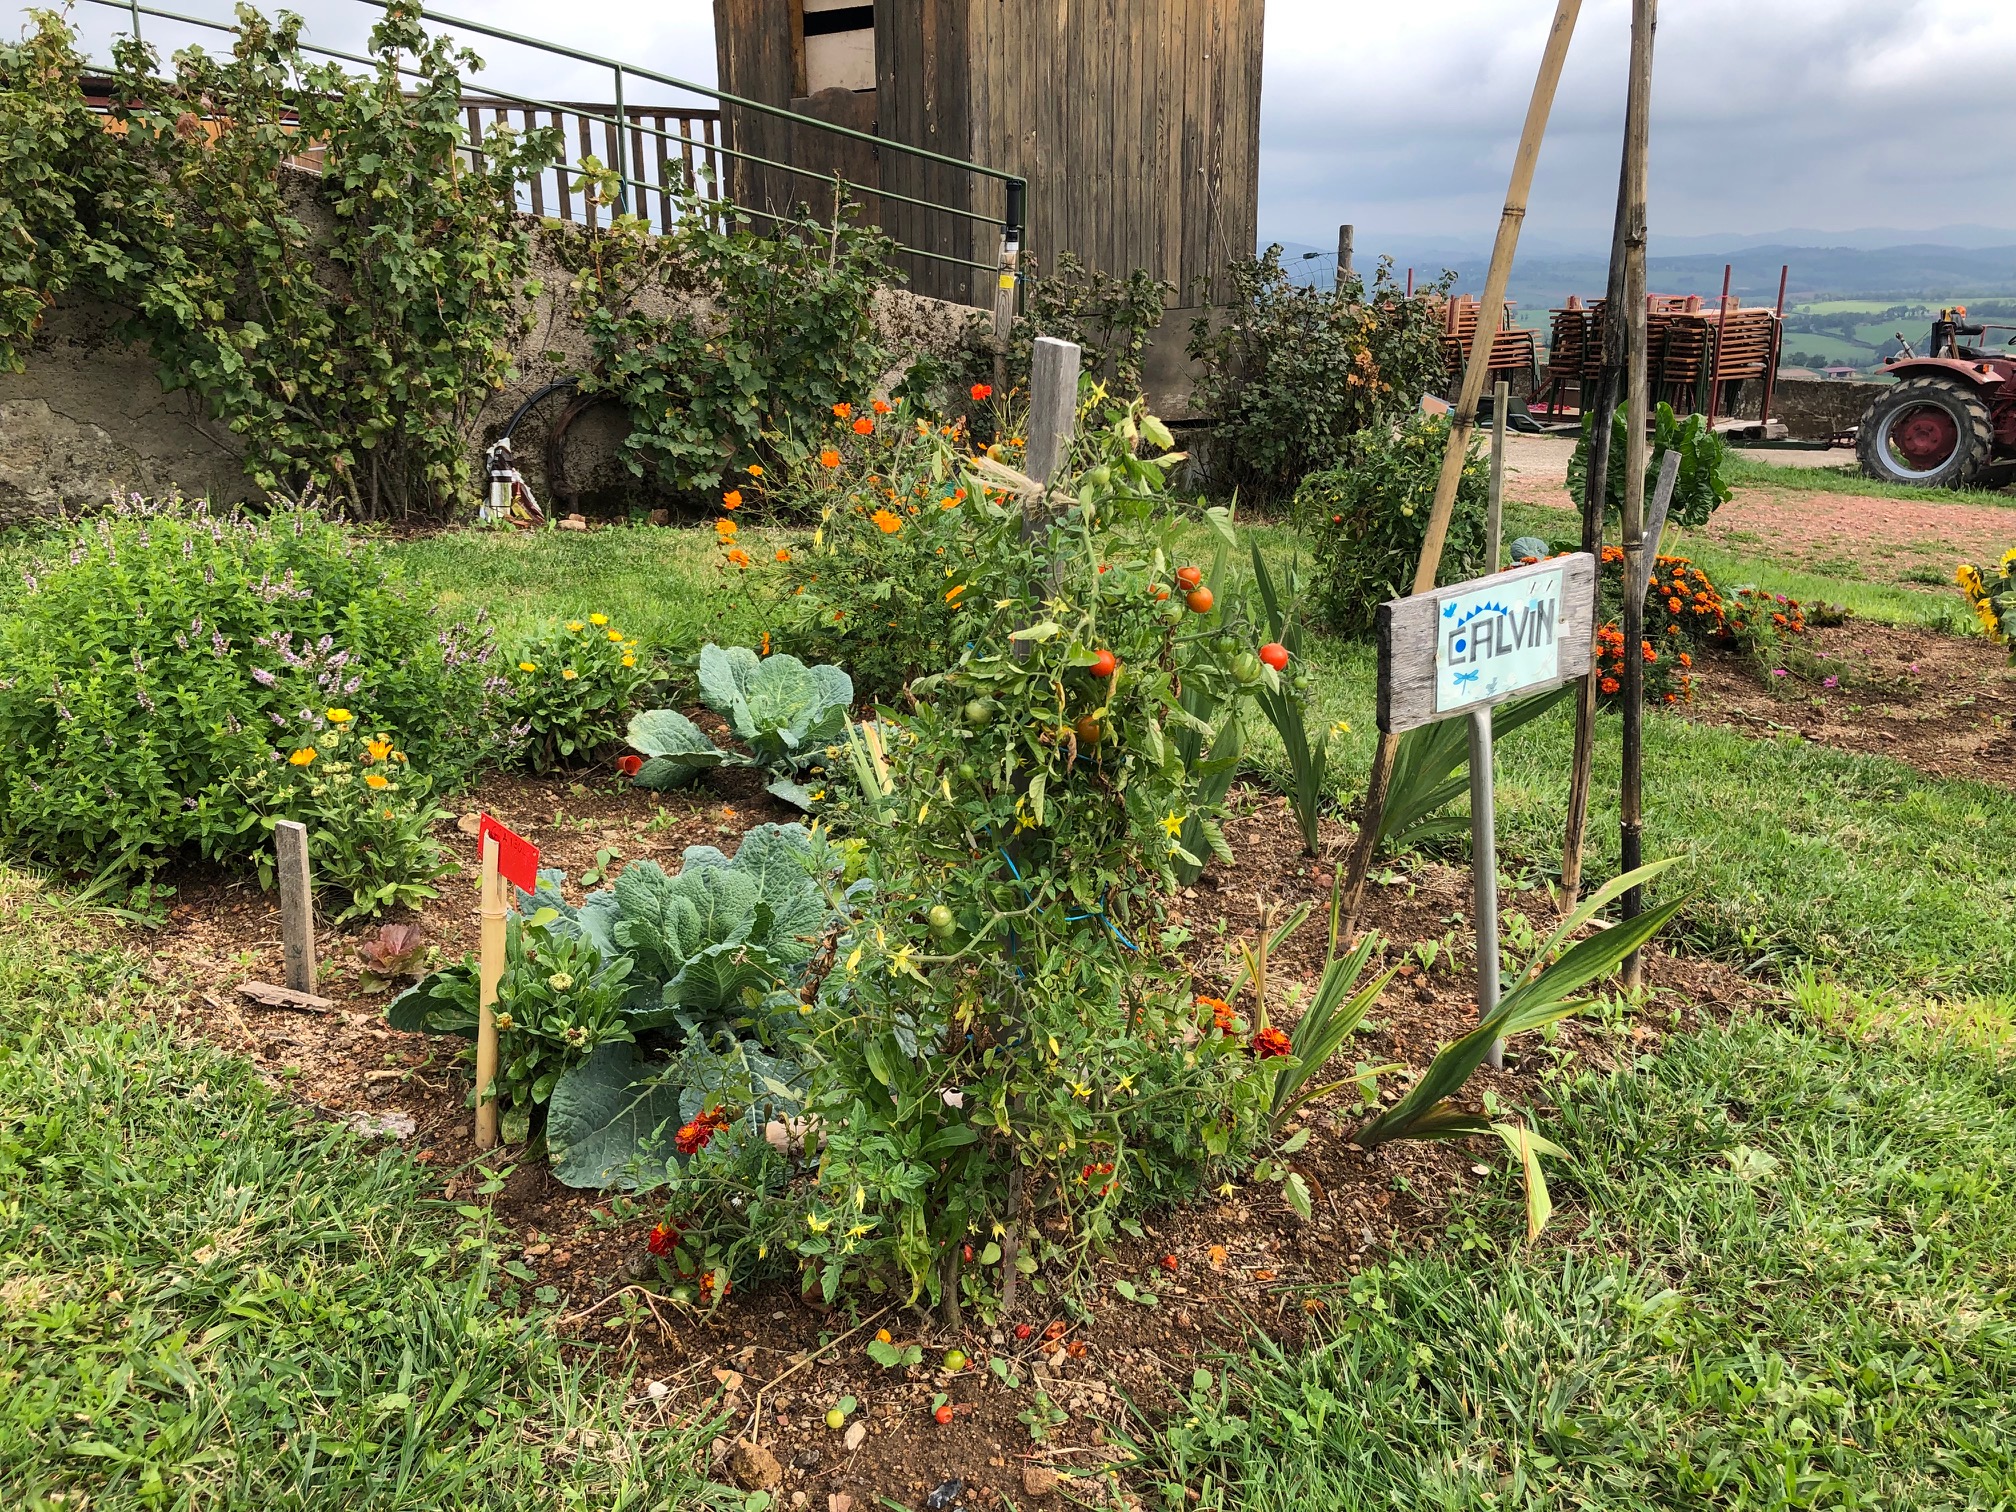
(1172,825)
(302,757)
(339,716)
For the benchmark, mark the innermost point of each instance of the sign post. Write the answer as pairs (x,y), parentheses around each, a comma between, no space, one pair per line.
(1465,649)
(506,858)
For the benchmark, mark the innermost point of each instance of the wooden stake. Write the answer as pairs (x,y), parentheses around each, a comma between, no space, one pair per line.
(490,972)
(1494,512)
(1637,412)
(1595,506)
(1346,235)
(1464,425)
(1053,417)
(297,905)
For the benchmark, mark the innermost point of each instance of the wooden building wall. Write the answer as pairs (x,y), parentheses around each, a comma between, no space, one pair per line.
(1136,123)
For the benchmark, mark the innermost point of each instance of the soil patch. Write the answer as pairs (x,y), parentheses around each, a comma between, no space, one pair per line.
(1217,1271)
(1878,540)
(1944,704)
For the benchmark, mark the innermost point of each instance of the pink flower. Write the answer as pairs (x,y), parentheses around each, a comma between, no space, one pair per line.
(1830,682)
(1777,671)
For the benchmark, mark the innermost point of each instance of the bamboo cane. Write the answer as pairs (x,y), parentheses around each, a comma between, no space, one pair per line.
(1464,425)
(1637,167)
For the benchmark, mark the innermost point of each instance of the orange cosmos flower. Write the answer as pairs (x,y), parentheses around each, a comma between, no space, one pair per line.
(739,557)
(981,392)
(864,426)
(783,555)
(755,469)
(732,499)
(842,411)
(829,458)
(880,408)
(886,522)
(725,529)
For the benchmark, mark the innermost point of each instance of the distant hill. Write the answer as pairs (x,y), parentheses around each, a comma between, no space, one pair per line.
(1544,279)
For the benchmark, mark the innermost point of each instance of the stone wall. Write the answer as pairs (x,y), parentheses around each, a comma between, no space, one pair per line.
(1812,408)
(89,418)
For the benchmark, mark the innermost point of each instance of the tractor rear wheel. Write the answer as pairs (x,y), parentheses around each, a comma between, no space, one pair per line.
(1928,432)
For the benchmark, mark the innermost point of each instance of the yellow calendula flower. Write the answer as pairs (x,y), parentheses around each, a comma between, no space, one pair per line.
(339,716)
(378,747)
(615,635)
(376,781)
(629,661)
(528,666)
(303,756)
(598,619)
(575,626)
(569,675)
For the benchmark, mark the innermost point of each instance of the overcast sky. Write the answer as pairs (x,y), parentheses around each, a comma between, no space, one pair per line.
(1767,114)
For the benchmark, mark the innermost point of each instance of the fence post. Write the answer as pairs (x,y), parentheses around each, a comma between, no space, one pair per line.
(622,150)
(1346,235)
(1053,413)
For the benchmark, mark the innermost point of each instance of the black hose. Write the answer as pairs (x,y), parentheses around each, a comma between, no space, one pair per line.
(519,414)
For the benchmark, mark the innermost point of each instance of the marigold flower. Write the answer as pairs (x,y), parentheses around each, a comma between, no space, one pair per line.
(842,411)
(1610,685)
(663,1239)
(981,392)
(783,555)
(1271,1042)
(739,557)
(732,499)
(864,426)
(725,529)
(829,458)
(880,407)
(339,716)
(693,1137)
(377,781)
(303,756)
(886,522)
(629,766)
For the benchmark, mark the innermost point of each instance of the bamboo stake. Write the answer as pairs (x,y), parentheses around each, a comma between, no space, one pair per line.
(1494,512)
(1464,424)
(1637,408)
(1609,383)
(490,972)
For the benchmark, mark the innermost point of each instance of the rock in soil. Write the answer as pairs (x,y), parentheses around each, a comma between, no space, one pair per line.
(1038,1480)
(754,1467)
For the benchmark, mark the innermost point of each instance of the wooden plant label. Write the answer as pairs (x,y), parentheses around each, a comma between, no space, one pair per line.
(1479,643)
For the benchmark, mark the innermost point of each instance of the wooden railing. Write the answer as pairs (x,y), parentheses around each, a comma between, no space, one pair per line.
(671,150)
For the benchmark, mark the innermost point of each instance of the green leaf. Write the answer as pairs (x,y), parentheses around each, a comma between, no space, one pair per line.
(1039,632)
(609,1123)
(1296,1191)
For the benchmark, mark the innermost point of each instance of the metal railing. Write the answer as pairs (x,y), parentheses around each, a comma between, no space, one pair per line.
(637,138)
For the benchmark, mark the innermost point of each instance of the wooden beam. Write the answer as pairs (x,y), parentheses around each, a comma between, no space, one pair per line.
(297,904)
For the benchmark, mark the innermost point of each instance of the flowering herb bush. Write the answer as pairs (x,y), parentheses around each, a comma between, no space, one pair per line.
(1005,1014)
(1992,597)
(169,650)
(369,815)
(1368,518)
(1753,620)
(572,685)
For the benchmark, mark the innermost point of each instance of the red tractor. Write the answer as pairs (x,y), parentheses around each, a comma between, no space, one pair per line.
(1949,421)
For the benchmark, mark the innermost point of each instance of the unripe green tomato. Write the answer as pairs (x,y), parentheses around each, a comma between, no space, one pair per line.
(955,1359)
(1246,669)
(979,713)
(1099,476)
(1173,611)
(967,773)
(835,1418)
(941,920)
(1225,645)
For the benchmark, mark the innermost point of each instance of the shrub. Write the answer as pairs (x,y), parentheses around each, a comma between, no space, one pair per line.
(1293,373)
(369,815)
(1683,614)
(572,685)
(1005,1033)
(1701,486)
(1992,597)
(173,650)
(881,587)
(725,347)
(1369,517)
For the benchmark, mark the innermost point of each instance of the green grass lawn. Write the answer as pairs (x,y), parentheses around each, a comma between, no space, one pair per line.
(1782,1279)
(209,1298)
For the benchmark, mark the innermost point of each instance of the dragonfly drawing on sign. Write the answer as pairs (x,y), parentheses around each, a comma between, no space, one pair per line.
(1467,677)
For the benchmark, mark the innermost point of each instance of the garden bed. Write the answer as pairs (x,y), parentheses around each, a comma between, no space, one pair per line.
(1941,703)
(1241,1261)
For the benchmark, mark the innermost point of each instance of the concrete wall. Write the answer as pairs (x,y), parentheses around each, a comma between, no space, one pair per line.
(89,419)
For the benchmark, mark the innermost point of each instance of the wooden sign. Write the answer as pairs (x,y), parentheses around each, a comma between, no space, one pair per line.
(1475,644)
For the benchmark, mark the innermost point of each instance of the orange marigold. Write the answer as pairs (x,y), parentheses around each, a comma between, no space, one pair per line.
(842,411)
(886,522)
(783,555)
(829,458)
(864,426)
(732,499)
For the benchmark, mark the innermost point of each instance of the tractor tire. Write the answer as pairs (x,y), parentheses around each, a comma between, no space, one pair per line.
(1926,432)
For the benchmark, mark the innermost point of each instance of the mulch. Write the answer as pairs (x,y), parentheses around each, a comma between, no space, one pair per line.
(1221,1270)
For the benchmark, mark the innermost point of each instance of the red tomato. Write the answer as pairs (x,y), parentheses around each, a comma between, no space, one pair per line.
(1200,600)
(1275,655)
(1103,664)
(943,1414)
(1189,577)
